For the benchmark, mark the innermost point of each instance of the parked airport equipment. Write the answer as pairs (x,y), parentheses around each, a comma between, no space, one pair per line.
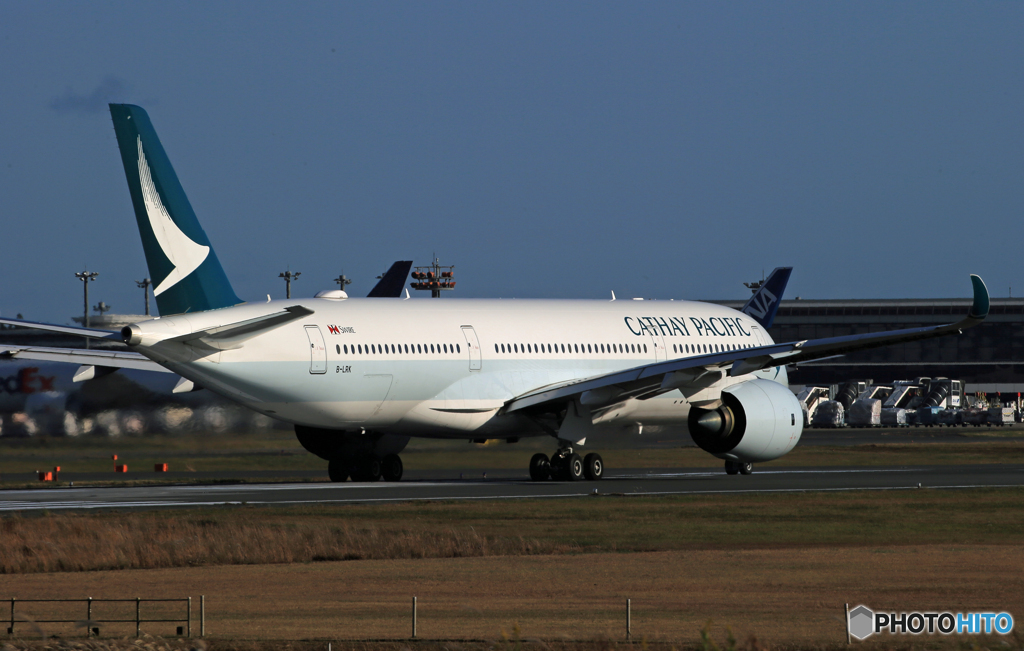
(830,413)
(810,399)
(865,412)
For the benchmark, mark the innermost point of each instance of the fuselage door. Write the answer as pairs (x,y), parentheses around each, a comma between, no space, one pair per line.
(473,344)
(759,336)
(317,350)
(658,342)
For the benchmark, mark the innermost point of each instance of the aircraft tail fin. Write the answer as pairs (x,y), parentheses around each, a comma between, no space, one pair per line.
(392,282)
(763,305)
(187,276)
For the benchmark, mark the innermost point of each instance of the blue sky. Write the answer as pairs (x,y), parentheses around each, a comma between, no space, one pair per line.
(660,149)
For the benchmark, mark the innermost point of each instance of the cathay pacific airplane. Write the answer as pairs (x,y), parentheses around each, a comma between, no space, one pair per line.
(359,377)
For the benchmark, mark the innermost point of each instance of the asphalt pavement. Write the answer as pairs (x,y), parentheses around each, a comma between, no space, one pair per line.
(618,483)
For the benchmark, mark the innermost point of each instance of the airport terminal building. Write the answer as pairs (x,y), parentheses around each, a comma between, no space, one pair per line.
(989,357)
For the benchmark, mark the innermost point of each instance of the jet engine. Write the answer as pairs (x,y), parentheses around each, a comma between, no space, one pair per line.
(759,420)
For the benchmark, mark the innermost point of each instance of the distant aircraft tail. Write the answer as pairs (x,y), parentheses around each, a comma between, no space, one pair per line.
(763,305)
(187,276)
(392,282)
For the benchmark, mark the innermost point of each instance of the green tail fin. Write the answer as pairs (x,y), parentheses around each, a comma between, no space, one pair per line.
(187,276)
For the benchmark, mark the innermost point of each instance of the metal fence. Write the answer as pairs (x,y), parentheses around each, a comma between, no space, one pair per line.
(91,625)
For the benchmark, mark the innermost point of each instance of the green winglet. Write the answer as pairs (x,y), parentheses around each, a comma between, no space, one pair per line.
(980,308)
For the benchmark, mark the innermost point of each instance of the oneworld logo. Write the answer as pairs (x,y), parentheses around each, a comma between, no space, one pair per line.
(864,622)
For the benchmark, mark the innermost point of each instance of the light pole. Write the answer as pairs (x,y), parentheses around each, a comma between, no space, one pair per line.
(144,286)
(288,278)
(102,308)
(343,281)
(86,276)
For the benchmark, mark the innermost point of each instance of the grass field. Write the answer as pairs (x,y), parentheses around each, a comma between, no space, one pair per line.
(218,536)
(789,596)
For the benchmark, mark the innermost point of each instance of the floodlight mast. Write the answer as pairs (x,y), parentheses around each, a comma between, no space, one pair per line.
(144,286)
(288,278)
(343,281)
(86,276)
(432,278)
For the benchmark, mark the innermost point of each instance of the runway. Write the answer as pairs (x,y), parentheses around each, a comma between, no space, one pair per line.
(623,483)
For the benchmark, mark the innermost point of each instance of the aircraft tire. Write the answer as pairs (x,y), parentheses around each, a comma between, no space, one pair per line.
(593,466)
(746,468)
(540,467)
(573,468)
(337,470)
(368,469)
(732,467)
(391,468)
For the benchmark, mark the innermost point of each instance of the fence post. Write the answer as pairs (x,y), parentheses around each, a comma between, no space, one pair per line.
(10,631)
(188,629)
(202,615)
(138,617)
(88,619)
(847,607)
(414,616)
(629,619)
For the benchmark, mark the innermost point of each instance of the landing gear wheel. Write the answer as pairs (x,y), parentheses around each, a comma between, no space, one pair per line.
(746,468)
(540,467)
(391,468)
(573,468)
(732,468)
(557,467)
(337,470)
(593,466)
(368,469)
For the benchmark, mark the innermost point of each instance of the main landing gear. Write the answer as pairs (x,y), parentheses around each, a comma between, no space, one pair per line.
(566,465)
(738,467)
(368,467)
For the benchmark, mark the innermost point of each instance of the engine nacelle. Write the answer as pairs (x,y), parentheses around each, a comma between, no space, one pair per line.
(760,420)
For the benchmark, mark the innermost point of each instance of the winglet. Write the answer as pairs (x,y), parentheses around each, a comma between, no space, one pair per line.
(763,305)
(981,303)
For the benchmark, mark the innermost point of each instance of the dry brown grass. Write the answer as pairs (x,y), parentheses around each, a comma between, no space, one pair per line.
(227,536)
(71,543)
(791,597)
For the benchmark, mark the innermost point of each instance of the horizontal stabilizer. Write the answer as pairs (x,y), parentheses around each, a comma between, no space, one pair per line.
(233,335)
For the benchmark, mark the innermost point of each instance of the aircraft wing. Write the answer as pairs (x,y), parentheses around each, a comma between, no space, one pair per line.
(113,359)
(701,371)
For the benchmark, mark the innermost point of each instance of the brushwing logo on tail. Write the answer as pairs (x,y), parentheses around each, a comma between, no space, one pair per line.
(184,254)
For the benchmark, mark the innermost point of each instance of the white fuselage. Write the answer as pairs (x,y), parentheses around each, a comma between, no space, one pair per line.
(444,368)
